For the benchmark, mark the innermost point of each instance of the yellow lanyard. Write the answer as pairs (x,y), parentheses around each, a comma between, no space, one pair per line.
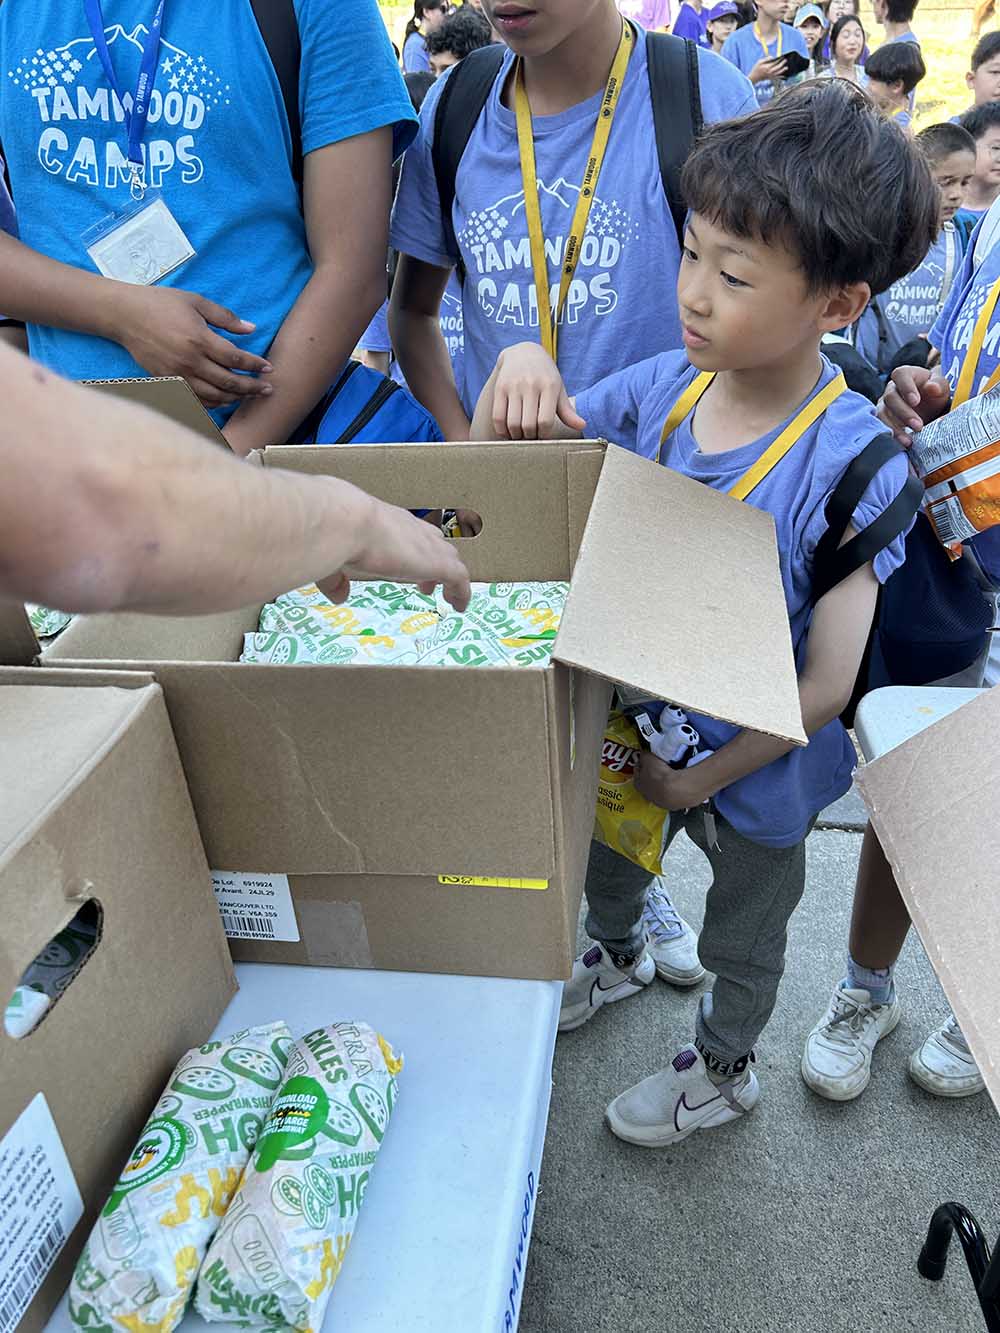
(807,416)
(963,390)
(767,53)
(548,325)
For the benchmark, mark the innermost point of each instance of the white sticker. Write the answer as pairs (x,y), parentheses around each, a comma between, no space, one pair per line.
(255,907)
(39,1207)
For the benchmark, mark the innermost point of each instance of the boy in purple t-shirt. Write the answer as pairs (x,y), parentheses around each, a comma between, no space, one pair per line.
(783,243)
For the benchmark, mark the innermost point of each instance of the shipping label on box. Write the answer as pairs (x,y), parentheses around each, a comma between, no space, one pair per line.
(255,906)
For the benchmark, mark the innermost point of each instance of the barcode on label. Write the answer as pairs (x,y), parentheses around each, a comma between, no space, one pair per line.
(246,928)
(950,521)
(16,1300)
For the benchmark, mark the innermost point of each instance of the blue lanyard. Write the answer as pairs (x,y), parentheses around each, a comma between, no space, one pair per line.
(136,119)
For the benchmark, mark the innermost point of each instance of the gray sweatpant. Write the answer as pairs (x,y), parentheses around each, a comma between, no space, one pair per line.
(755,890)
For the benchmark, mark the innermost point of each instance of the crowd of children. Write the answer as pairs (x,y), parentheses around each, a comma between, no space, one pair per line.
(699,253)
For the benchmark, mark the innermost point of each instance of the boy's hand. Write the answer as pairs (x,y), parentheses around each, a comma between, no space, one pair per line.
(529,396)
(670,788)
(395,545)
(913,397)
(772,68)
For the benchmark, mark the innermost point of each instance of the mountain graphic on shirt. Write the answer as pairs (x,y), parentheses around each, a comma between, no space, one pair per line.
(607,217)
(63,66)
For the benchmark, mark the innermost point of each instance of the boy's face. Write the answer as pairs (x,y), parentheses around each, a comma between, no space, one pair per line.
(988,157)
(535,27)
(953,174)
(888,97)
(837,9)
(720,29)
(812,31)
(774,9)
(985,82)
(442,61)
(744,304)
(879,9)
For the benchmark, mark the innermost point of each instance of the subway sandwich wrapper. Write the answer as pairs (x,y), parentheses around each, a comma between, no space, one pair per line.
(422,818)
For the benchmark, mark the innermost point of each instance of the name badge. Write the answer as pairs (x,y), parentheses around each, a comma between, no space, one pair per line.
(141,244)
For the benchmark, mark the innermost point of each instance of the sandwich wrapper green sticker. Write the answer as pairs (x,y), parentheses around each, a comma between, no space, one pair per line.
(138,1268)
(279,1250)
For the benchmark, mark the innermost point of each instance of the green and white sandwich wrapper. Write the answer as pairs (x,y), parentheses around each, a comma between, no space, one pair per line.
(279,1251)
(48,976)
(138,1268)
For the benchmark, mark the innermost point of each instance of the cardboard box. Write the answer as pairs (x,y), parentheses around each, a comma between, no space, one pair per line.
(381,798)
(93,809)
(172,397)
(935,805)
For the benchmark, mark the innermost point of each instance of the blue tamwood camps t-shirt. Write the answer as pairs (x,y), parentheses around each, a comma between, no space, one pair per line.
(8,218)
(951,334)
(912,304)
(217,143)
(774,805)
(693,25)
(744,48)
(622,304)
(376,337)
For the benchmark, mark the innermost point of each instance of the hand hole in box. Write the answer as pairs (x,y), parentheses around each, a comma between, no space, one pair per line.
(48,976)
(461,523)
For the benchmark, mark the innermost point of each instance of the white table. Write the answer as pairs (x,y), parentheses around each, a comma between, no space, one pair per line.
(442,1241)
(887,717)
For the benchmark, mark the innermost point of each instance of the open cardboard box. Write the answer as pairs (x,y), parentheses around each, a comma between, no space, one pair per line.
(94,814)
(406,810)
(935,805)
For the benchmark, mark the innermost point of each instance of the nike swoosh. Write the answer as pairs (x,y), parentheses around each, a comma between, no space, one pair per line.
(682,1121)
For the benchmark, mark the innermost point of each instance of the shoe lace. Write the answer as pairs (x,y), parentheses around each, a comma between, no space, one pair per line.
(954,1036)
(662,917)
(848,1022)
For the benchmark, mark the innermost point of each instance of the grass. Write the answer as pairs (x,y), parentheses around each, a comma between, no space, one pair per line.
(946,43)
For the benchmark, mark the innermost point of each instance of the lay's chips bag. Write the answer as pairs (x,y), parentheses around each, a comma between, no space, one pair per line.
(625,821)
(957,458)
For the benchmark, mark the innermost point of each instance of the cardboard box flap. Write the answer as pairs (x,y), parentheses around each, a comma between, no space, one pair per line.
(516,488)
(935,805)
(677,592)
(86,720)
(18,645)
(169,395)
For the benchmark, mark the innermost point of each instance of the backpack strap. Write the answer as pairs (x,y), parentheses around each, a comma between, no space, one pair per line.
(675,93)
(279,28)
(832,562)
(459,107)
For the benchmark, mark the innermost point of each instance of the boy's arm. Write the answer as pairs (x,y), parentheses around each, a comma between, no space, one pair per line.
(415,327)
(525,399)
(837,639)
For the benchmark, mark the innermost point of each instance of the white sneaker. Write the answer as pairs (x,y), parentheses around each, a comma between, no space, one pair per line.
(944,1064)
(672,942)
(670,1105)
(597,981)
(837,1060)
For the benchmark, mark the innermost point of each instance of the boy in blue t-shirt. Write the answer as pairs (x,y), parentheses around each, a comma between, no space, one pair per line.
(784,243)
(892,74)
(759,48)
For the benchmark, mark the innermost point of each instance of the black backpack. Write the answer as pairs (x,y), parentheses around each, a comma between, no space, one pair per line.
(279,28)
(674,90)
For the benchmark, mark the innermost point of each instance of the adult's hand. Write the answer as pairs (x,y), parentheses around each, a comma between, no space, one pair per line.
(913,397)
(395,545)
(172,332)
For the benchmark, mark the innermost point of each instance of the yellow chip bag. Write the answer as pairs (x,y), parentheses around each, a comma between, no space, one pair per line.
(625,821)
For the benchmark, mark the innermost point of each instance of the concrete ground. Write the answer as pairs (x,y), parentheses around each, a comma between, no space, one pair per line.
(806,1216)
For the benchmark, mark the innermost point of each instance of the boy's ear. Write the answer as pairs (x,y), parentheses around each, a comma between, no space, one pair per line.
(844,306)
(970,79)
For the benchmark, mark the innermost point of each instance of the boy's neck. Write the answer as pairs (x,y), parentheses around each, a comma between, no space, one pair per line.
(577,68)
(980,196)
(695,5)
(894,30)
(763,397)
(767,26)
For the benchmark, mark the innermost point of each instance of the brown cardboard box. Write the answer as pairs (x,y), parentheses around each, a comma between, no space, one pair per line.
(93,806)
(385,794)
(173,397)
(935,805)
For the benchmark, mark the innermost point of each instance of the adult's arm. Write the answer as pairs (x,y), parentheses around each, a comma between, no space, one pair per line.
(415,326)
(126,511)
(169,331)
(346,200)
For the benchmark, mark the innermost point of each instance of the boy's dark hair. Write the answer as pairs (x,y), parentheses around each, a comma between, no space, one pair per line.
(464,30)
(897,62)
(981,118)
(823,171)
(986,48)
(900,11)
(418,84)
(940,141)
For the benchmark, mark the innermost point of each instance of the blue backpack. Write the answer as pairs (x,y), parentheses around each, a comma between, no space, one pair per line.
(364,407)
